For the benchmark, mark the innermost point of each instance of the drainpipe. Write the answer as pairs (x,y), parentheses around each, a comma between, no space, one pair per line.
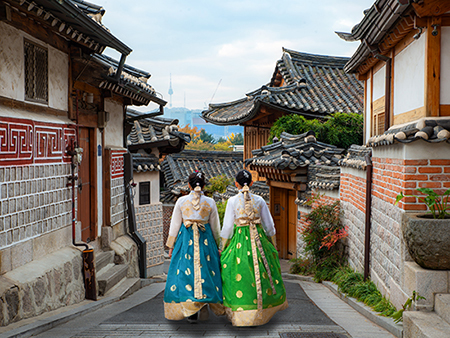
(368,214)
(121,64)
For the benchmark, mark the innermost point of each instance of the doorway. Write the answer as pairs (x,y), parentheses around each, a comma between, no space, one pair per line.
(284,212)
(86,185)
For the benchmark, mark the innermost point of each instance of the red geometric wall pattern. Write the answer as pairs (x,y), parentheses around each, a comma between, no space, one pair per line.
(25,141)
(117,169)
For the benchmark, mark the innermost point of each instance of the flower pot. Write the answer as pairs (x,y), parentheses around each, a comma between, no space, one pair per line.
(427,240)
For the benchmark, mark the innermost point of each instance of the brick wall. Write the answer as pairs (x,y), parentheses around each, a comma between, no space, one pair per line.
(34,200)
(353,201)
(117,201)
(149,219)
(392,176)
(167,216)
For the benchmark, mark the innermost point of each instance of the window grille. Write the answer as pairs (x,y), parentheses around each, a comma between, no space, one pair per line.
(144,193)
(36,73)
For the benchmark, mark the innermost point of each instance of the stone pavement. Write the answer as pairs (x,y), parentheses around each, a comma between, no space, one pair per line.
(313,308)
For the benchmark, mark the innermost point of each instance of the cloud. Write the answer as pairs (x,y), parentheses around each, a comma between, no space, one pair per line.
(235,42)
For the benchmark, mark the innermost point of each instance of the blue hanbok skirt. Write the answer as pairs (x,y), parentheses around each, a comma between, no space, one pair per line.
(179,299)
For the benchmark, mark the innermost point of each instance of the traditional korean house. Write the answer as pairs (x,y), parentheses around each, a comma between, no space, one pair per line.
(62,112)
(149,138)
(294,166)
(310,85)
(307,84)
(404,62)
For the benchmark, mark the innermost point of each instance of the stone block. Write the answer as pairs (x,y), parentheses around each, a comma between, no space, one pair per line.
(22,254)
(5,260)
(50,242)
(442,306)
(426,282)
(418,324)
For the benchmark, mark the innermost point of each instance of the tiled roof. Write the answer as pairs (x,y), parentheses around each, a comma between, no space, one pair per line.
(429,129)
(384,24)
(356,157)
(295,151)
(132,83)
(143,162)
(259,188)
(74,20)
(292,152)
(314,86)
(154,131)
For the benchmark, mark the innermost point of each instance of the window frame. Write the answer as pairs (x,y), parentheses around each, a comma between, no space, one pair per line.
(143,197)
(31,90)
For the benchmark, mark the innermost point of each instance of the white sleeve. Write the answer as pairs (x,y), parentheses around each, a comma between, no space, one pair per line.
(214,222)
(267,220)
(228,220)
(175,224)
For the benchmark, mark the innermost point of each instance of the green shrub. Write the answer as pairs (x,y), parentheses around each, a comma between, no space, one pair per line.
(339,129)
(221,206)
(218,184)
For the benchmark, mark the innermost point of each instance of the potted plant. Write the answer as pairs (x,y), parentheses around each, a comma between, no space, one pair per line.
(427,236)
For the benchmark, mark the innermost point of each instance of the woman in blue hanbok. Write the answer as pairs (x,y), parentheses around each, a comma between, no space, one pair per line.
(193,280)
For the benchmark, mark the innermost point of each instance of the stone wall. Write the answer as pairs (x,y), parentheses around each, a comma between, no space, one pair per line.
(167,216)
(34,201)
(41,286)
(353,200)
(149,219)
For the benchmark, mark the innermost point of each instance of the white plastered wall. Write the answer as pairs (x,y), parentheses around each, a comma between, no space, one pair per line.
(445,65)
(379,83)
(409,77)
(12,80)
(114,127)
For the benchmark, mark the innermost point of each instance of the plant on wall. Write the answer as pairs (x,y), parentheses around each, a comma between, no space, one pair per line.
(437,204)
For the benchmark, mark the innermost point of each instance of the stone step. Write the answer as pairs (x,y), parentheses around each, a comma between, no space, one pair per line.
(125,288)
(421,324)
(442,306)
(110,277)
(102,259)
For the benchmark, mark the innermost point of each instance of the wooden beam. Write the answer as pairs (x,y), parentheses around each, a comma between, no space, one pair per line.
(431,7)
(433,67)
(33,108)
(5,12)
(283,185)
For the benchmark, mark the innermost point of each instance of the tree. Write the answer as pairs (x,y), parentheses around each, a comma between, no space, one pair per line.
(207,138)
(237,139)
(340,129)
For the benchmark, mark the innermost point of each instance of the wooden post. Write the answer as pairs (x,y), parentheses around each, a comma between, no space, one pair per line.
(433,67)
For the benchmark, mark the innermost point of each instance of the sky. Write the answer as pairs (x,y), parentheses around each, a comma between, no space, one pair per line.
(217,51)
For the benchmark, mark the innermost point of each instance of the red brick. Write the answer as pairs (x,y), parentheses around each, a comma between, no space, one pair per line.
(432,185)
(446,170)
(416,162)
(415,207)
(439,162)
(430,170)
(411,170)
(440,178)
(415,177)
(409,184)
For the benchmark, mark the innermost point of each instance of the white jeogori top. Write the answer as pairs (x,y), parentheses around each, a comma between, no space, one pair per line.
(184,210)
(236,209)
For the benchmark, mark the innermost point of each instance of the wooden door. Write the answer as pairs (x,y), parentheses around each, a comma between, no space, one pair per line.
(292,225)
(284,213)
(85,186)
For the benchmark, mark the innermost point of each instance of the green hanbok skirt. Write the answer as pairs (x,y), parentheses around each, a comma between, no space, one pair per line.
(250,298)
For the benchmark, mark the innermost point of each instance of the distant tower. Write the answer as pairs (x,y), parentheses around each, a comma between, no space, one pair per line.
(170,91)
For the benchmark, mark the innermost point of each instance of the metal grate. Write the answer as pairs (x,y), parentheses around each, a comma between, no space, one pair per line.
(312,335)
(36,73)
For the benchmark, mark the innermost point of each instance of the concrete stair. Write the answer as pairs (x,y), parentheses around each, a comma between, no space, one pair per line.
(434,324)
(109,274)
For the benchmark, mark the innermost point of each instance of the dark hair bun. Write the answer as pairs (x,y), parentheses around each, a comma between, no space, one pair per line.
(197,179)
(244,177)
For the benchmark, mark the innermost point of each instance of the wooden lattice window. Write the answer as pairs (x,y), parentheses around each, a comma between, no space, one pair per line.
(36,72)
(144,193)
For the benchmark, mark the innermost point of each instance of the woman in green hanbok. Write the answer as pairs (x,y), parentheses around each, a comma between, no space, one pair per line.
(253,290)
